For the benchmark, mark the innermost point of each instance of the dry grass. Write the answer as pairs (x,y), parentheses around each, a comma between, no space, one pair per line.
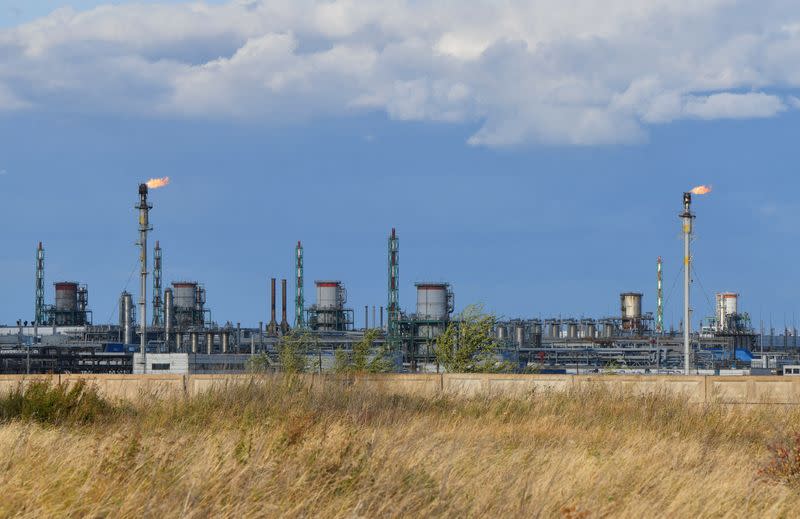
(275,448)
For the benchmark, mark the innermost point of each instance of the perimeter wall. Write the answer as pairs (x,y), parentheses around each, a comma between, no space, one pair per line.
(698,389)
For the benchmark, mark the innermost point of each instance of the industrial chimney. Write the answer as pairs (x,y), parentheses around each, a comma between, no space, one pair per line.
(272,327)
(284,322)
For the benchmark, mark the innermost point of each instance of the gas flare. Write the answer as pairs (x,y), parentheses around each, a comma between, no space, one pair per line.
(155,183)
(700,190)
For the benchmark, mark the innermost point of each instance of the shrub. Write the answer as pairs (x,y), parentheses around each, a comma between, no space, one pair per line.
(784,463)
(45,402)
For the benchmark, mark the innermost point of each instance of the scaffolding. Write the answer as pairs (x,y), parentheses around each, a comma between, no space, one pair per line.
(299,300)
(393,307)
(158,308)
(40,317)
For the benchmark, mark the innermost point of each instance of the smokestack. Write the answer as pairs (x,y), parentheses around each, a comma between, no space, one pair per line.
(686,218)
(284,322)
(366,317)
(144,227)
(272,327)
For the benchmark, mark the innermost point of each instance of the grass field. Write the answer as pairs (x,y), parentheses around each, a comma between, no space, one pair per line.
(275,448)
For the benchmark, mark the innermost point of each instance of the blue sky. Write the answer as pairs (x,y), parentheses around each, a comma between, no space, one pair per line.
(544,210)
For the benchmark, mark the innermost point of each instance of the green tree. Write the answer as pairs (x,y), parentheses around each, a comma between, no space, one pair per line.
(259,363)
(468,344)
(292,350)
(364,357)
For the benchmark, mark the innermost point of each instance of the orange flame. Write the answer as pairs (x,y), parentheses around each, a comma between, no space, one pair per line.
(701,190)
(155,183)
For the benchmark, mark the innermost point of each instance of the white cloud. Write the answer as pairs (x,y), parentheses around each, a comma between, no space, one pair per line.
(540,71)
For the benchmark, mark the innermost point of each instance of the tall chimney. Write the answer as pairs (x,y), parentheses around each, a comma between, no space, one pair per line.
(272,327)
(284,322)
(144,226)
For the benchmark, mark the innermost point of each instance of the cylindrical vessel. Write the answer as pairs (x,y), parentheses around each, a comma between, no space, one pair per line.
(501,331)
(591,331)
(195,341)
(126,317)
(224,341)
(572,330)
(330,295)
(519,334)
(631,308)
(168,317)
(536,327)
(432,301)
(66,296)
(727,307)
(608,329)
(185,295)
(209,342)
(179,342)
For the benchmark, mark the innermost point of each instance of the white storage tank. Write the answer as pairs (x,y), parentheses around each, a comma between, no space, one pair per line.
(434,301)
(727,307)
(184,295)
(631,303)
(331,295)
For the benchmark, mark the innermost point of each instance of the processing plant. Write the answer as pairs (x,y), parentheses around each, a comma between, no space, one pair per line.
(181,337)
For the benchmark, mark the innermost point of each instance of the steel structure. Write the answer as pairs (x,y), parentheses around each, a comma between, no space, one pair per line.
(686,217)
(659,299)
(299,300)
(40,307)
(393,306)
(144,228)
(158,309)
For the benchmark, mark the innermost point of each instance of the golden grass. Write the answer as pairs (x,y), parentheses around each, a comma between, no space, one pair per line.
(276,448)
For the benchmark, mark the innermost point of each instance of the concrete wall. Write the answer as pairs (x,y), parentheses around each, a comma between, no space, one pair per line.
(697,389)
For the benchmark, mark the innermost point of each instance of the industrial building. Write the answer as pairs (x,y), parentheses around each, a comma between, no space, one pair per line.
(181,337)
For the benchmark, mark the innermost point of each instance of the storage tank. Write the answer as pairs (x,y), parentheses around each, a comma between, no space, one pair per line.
(608,329)
(66,296)
(572,330)
(553,329)
(331,295)
(501,332)
(519,335)
(184,295)
(433,301)
(631,307)
(727,307)
(591,330)
(126,317)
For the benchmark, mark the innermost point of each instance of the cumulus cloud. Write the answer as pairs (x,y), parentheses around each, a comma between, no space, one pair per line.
(522,71)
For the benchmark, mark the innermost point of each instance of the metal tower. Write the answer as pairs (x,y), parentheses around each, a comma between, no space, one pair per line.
(144,227)
(660,299)
(686,217)
(393,307)
(40,317)
(299,301)
(158,309)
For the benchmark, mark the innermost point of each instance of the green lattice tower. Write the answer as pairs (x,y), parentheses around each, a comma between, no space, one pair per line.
(393,306)
(299,300)
(158,309)
(40,317)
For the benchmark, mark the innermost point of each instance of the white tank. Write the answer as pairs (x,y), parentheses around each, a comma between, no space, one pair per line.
(433,302)
(727,306)
(631,303)
(330,295)
(184,295)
